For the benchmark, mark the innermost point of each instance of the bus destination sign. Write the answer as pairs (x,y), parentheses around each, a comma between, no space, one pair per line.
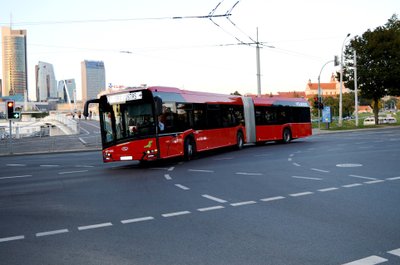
(122,98)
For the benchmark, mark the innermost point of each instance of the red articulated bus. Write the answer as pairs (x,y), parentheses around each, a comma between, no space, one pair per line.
(150,123)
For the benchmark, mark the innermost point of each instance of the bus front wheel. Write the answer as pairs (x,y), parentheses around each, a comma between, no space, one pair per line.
(286,136)
(189,148)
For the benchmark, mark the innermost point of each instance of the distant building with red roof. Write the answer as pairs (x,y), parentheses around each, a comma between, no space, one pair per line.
(327,89)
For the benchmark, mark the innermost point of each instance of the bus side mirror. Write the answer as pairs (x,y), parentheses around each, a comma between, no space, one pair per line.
(158,105)
(86,107)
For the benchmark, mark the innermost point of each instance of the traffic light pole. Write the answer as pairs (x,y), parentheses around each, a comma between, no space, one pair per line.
(10,140)
(319,91)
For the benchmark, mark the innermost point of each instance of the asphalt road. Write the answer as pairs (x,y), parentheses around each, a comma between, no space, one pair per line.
(327,199)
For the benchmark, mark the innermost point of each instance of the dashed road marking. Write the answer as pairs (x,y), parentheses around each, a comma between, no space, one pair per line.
(296,164)
(308,178)
(175,214)
(51,233)
(212,208)
(272,199)
(374,181)
(328,189)
(320,170)
(11,238)
(214,198)
(182,187)
(16,177)
(395,178)
(16,165)
(201,170)
(248,174)
(362,177)
(72,172)
(95,226)
(352,185)
(395,252)
(171,168)
(371,260)
(167,177)
(136,220)
(243,203)
(301,194)
(49,165)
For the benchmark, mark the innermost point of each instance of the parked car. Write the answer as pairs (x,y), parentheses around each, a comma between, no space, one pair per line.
(381,120)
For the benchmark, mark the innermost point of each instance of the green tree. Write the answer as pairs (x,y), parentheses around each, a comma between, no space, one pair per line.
(378,63)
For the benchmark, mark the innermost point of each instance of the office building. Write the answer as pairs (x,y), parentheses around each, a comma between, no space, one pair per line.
(67,90)
(15,78)
(93,79)
(46,84)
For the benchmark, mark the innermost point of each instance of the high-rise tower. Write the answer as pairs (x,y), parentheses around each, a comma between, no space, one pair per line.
(15,77)
(93,79)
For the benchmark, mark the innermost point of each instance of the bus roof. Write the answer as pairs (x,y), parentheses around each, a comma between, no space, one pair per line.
(280,101)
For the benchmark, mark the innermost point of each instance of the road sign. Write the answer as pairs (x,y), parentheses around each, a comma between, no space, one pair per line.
(326,114)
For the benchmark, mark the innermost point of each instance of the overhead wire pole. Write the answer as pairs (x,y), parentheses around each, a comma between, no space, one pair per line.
(258,67)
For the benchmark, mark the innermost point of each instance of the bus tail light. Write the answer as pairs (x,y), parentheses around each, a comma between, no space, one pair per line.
(151,154)
(107,156)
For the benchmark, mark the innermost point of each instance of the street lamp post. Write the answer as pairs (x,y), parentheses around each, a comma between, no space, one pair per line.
(341,84)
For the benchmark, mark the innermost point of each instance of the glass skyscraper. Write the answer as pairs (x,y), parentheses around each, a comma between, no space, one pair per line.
(15,77)
(93,79)
(46,85)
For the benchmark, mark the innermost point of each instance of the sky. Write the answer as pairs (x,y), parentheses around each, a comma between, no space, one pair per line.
(140,42)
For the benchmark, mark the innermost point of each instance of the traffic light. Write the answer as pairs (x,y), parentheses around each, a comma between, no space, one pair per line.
(11,113)
(320,103)
(316,103)
(10,109)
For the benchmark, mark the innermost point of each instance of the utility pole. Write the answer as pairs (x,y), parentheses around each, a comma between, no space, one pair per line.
(258,67)
(355,87)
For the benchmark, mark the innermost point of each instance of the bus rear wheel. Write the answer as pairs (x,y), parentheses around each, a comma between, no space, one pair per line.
(286,136)
(189,148)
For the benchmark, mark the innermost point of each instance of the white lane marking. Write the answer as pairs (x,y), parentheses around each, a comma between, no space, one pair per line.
(361,177)
(49,165)
(272,199)
(50,233)
(243,203)
(201,170)
(212,208)
(136,220)
(301,194)
(296,164)
(167,177)
(72,172)
(320,170)
(395,178)
(328,189)
(223,158)
(86,227)
(349,165)
(309,178)
(352,185)
(175,214)
(371,260)
(11,238)
(395,252)
(15,177)
(214,198)
(84,166)
(374,181)
(171,168)
(182,187)
(289,159)
(248,174)
(16,165)
(291,155)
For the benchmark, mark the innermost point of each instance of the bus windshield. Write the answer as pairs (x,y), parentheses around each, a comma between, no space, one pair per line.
(127,120)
